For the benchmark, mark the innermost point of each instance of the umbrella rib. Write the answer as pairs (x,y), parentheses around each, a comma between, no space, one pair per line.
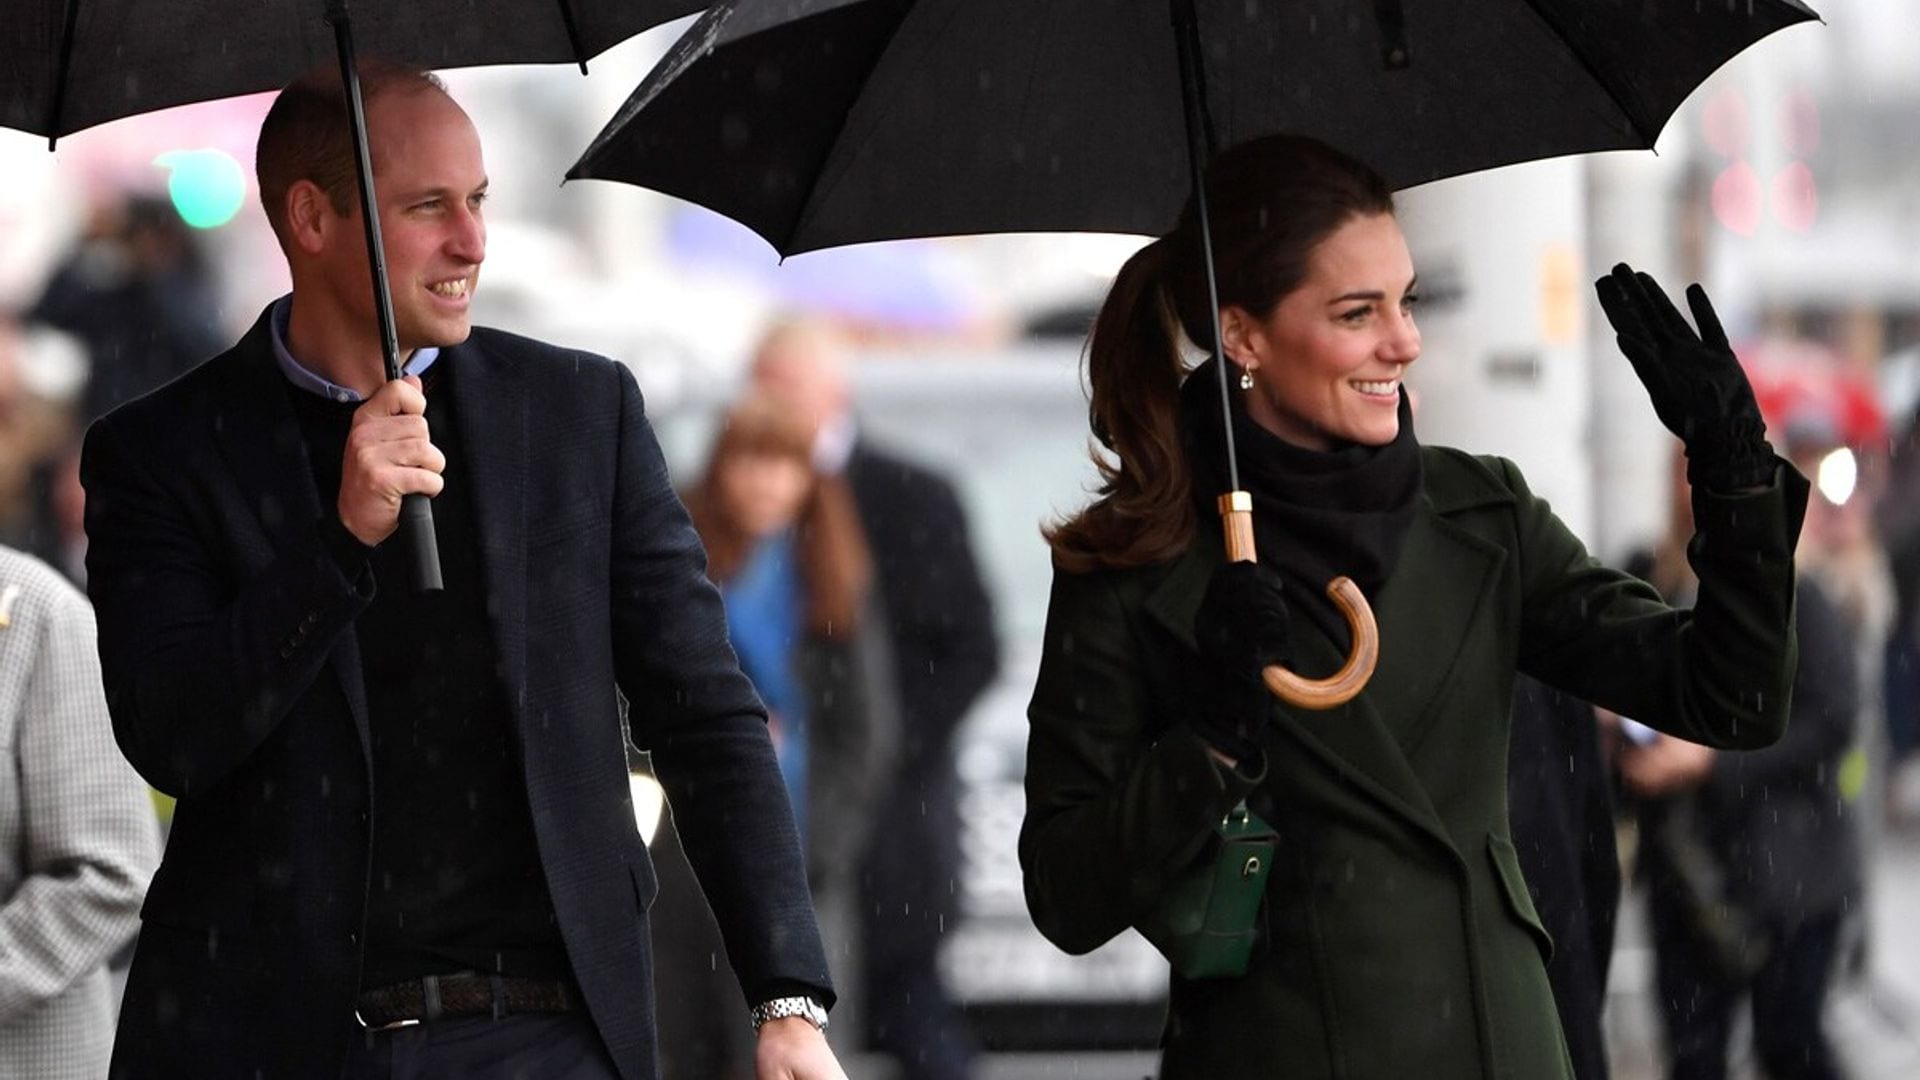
(1593,72)
(56,109)
(821,182)
(573,33)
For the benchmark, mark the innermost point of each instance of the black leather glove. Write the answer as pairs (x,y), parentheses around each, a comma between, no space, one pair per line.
(1241,628)
(1696,384)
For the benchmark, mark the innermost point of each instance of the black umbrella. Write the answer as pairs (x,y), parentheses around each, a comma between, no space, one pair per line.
(66,65)
(825,122)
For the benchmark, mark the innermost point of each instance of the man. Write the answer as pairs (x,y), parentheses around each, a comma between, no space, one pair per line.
(77,836)
(940,624)
(404,844)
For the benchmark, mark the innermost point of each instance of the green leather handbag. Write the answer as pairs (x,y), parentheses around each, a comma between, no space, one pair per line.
(1204,925)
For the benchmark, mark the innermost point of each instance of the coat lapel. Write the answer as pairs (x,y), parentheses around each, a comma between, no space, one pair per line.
(490,407)
(259,436)
(1425,611)
(260,439)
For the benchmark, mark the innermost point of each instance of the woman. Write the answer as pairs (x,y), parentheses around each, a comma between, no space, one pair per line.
(785,545)
(1397,937)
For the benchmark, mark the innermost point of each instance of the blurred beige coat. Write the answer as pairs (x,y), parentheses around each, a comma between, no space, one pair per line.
(78,842)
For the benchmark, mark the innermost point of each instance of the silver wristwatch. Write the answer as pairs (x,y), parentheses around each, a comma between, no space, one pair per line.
(775,1008)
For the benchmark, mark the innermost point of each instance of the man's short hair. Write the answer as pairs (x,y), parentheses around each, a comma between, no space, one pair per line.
(305,135)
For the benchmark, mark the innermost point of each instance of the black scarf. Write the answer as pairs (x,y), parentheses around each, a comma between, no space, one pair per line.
(1316,514)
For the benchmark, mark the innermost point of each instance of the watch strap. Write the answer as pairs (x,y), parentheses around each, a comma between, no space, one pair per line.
(801,1006)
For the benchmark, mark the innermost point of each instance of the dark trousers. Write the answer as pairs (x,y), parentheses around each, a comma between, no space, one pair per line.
(1789,993)
(911,899)
(529,1046)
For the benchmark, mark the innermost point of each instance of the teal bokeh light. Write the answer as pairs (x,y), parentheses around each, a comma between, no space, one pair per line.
(206,186)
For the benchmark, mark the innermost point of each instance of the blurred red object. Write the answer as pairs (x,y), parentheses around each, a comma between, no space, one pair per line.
(1811,397)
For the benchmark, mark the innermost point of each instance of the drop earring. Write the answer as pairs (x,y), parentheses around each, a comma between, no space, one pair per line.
(1246,379)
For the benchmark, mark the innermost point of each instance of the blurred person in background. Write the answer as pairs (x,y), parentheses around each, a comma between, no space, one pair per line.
(138,292)
(78,838)
(786,547)
(35,436)
(939,625)
(1751,859)
(1899,529)
(1395,935)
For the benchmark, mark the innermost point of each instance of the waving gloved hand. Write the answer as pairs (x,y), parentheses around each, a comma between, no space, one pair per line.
(1241,628)
(1697,387)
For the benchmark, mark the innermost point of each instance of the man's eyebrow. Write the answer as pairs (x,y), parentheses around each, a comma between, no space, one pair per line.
(428,192)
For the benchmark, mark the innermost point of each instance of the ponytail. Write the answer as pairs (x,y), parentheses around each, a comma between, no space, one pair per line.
(1144,513)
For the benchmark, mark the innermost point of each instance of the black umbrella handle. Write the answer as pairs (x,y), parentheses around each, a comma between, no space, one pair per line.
(420,544)
(416,511)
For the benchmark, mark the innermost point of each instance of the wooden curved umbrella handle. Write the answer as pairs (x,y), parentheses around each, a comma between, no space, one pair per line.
(1236,514)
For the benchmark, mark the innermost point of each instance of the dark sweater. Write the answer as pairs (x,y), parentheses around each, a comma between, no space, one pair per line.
(456,882)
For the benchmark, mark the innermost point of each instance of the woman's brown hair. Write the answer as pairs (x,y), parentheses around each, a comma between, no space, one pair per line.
(1271,202)
(835,563)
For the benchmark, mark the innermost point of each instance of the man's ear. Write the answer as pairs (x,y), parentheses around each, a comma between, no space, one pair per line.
(1240,337)
(311,219)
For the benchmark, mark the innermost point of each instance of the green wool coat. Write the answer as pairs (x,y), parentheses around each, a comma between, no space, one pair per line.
(1398,939)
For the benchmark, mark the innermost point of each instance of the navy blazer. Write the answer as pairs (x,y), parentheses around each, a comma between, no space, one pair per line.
(234,681)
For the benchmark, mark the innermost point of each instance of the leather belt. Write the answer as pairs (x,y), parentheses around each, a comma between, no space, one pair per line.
(437,997)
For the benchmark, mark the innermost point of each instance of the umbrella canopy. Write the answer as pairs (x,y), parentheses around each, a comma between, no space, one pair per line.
(66,65)
(825,122)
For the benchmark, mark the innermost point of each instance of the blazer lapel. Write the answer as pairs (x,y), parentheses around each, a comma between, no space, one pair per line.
(490,408)
(260,439)
(259,436)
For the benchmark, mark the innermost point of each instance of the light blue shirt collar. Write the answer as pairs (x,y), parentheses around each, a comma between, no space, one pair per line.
(303,378)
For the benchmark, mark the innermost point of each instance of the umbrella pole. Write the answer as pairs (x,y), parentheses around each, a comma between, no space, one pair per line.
(1236,506)
(416,512)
